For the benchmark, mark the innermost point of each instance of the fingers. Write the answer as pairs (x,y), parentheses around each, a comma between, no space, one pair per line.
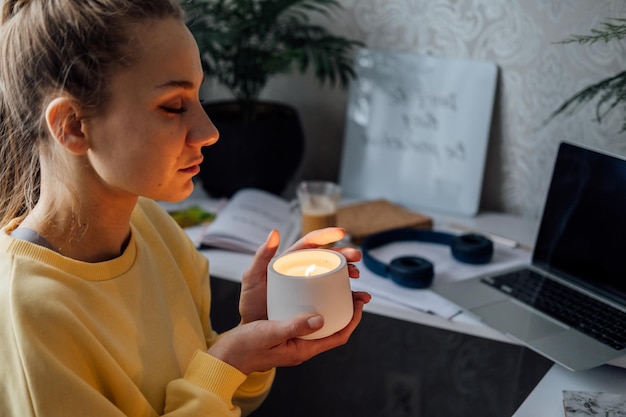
(302,325)
(319,238)
(263,256)
(306,324)
(326,236)
(268,249)
(342,336)
(264,344)
(361,297)
(351,254)
(252,305)
(353,271)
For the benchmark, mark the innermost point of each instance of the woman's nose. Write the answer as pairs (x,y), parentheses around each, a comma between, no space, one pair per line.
(203,132)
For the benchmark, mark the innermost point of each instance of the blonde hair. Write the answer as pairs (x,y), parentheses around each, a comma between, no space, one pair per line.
(49,47)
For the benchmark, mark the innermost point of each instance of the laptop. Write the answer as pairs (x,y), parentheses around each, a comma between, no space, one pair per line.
(569,303)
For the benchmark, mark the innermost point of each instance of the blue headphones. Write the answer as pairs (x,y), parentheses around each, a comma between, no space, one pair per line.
(416,272)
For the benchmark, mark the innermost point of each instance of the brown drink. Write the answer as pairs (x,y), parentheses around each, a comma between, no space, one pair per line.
(318,204)
(313,221)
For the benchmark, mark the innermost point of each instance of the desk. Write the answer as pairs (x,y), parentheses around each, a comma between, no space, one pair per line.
(396,368)
(545,399)
(460,346)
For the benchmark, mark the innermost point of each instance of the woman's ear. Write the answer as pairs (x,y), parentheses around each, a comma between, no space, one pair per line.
(66,126)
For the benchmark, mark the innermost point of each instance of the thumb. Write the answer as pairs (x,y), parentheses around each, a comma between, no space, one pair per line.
(269,248)
(262,257)
(303,325)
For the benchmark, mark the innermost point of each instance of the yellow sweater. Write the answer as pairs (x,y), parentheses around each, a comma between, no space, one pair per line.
(125,337)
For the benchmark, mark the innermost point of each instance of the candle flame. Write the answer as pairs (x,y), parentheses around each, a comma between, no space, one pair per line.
(309,270)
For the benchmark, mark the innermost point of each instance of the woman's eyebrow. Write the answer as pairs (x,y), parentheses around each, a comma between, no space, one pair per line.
(187,85)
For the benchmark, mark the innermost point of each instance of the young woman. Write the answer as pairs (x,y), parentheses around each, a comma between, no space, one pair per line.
(104,301)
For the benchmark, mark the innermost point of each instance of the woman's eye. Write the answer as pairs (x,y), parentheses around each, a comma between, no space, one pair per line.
(174,110)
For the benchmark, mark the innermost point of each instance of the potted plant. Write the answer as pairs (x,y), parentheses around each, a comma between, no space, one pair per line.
(611,91)
(243,43)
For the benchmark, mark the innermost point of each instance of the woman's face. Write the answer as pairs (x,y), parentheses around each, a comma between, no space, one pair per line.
(147,140)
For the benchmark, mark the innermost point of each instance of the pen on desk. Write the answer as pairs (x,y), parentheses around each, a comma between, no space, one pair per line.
(503,240)
(413,307)
(454,315)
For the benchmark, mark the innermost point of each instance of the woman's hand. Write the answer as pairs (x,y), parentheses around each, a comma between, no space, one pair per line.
(253,299)
(258,344)
(262,344)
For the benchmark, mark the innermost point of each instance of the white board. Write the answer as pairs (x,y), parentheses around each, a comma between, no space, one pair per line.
(417,129)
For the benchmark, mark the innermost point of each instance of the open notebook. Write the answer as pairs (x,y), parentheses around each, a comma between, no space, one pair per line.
(569,303)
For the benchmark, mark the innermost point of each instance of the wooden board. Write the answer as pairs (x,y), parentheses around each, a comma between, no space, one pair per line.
(417,129)
(368,217)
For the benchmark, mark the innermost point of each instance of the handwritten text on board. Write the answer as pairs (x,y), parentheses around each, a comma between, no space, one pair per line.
(417,130)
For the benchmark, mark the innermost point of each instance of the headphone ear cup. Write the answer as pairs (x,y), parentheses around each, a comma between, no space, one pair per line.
(472,249)
(416,272)
(411,271)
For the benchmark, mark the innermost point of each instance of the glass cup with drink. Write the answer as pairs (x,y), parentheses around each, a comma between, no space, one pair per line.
(318,202)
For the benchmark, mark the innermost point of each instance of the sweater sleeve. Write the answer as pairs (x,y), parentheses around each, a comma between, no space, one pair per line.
(227,391)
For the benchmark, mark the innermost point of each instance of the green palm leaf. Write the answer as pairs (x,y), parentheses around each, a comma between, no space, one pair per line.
(244,43)
(609,92)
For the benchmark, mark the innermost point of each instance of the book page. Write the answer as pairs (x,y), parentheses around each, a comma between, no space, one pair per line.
(246,221)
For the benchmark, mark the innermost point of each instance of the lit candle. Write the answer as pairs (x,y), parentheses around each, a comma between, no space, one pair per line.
(306,271)
(325,289)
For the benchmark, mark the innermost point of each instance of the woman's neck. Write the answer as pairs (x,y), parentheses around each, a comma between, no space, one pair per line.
(89,232)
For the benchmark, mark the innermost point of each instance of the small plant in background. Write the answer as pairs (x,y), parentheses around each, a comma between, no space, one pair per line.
(243,43)
(611,91)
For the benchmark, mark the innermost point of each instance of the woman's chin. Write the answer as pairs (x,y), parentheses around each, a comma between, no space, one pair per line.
(175,196)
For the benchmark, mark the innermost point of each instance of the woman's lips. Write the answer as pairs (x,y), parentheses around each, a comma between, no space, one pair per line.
(194,169)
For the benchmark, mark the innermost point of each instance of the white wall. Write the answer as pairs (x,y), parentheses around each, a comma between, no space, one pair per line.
(536,76)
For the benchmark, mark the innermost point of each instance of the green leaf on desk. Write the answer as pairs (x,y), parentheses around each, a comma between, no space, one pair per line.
(192,216)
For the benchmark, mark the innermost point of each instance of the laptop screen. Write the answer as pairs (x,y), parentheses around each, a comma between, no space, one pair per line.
(582,236)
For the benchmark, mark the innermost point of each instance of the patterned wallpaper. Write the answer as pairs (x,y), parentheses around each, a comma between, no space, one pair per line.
(536,76)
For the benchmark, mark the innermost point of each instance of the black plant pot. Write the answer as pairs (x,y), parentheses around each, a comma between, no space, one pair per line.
(264,152)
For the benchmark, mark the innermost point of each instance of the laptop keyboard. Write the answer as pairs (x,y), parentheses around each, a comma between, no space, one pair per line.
(598,320)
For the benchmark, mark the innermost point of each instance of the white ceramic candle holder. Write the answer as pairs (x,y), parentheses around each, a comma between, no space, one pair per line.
(309,281)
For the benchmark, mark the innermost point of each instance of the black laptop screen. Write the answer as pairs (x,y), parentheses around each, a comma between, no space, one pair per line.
(583,229)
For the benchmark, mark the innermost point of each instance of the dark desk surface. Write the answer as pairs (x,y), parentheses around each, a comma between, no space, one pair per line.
(394,368)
